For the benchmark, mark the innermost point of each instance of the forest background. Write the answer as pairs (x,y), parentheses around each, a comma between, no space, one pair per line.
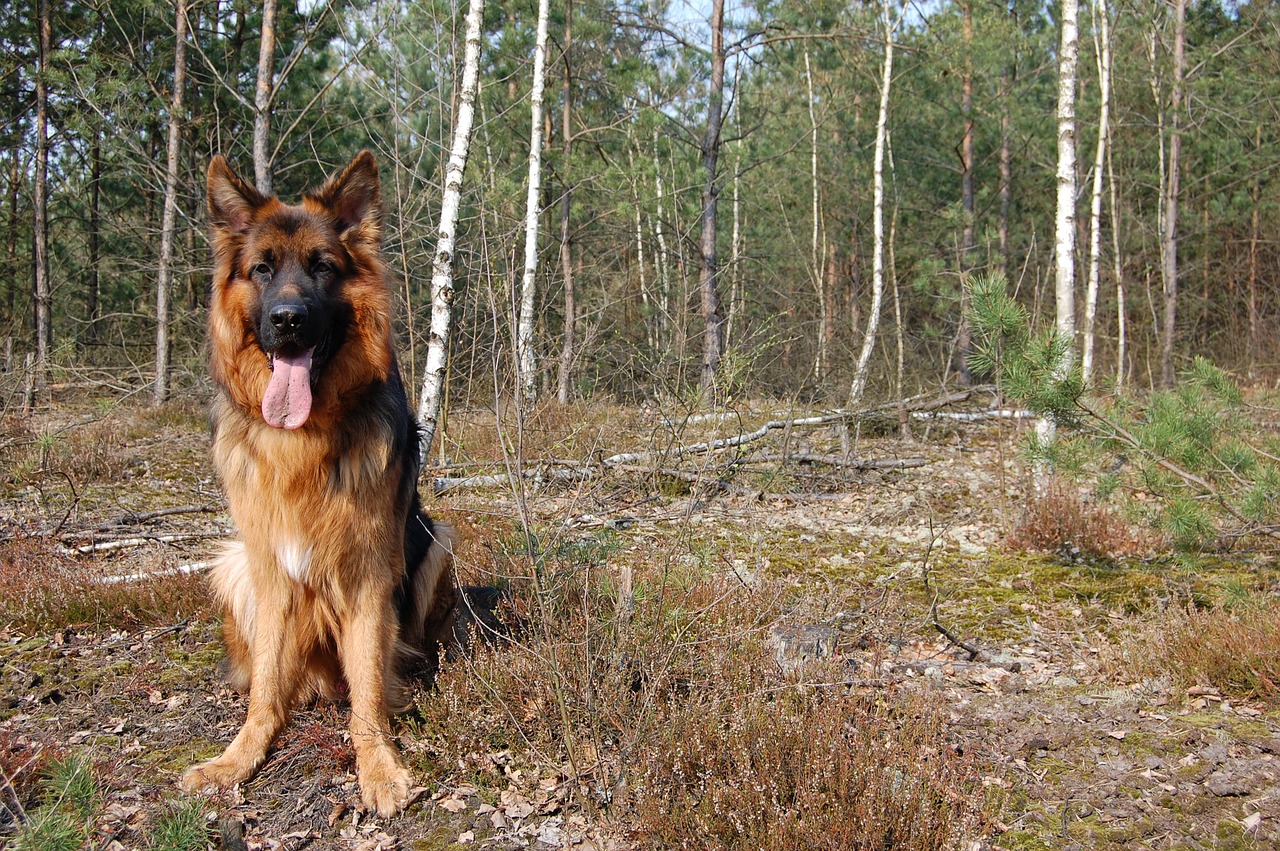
(971,147)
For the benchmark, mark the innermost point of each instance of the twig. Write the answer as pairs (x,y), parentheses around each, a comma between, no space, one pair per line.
(973,650)
(180,570)
(130,543)
(838,461)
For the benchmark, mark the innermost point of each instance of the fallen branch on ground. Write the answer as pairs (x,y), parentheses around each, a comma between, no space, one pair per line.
(180,570)
(566,471)
(912,405)
(837,461)
(131,543)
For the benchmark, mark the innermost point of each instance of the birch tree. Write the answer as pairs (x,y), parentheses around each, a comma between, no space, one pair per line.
(859,386)
(433,380)
(815,265)
(526,366)
(164,279)
(1102,39)
(1065,225)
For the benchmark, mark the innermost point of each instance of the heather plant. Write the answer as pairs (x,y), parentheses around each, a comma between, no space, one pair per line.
(1190,462)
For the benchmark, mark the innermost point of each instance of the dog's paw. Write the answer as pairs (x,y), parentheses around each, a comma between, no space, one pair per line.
(385,788)
(216,775)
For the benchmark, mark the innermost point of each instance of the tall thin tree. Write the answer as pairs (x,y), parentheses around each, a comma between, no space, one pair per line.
(1102,40)
(967,208)
(436,373)
(1065,221)
(40,200)
(708,278)
(1173,173)
(526,362)
(889,23)
(567,353)
(164,279)
(263,96)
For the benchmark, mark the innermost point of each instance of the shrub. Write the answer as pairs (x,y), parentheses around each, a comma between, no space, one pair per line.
(1235,650)
(670,712)
(1061,521)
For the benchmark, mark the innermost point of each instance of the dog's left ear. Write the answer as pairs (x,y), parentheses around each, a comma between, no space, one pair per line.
(354,197)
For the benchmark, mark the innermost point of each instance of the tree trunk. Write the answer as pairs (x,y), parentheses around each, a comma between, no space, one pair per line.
(815,264)
(433,380)
(708,283)
(1169,234)
(160,392)
(735,251)
(1254,234)
(95,240)
(1122,323)
(663,264)
(963,341)
(1103,40)
(526,362)
(263,96)
(566,199)
(40,225)
(11,242)
(1065,229)
(877,213)
(1006,167)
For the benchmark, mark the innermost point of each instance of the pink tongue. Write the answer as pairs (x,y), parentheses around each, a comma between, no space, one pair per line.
(287,402)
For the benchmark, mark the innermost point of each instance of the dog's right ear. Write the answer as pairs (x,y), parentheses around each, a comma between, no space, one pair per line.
(232,202)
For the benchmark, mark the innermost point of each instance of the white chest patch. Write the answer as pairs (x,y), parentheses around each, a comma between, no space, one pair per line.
(294,560)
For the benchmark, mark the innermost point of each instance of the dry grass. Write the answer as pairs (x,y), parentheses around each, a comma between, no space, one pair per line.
(45,590)
(676,720)
(1236,651)
(1061,521)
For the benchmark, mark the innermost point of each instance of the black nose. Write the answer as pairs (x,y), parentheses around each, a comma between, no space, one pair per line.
(288,318)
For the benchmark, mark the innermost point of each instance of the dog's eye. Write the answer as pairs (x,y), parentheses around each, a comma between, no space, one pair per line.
(262,270)
(322,267)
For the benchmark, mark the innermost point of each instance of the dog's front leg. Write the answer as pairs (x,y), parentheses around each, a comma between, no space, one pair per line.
(366,650)
(277,671)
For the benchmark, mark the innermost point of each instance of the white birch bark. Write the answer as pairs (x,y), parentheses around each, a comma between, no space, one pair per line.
(433,380)
(735,251)
(664,274)
(169,222)
(820,359)
(526,366)
(1065,228)
(859,385)
(262,96)
(1102,39)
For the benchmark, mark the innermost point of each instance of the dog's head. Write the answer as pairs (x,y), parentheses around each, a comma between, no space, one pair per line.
(289,275)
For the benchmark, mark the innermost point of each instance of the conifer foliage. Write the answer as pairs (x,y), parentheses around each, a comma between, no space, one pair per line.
(1192,462)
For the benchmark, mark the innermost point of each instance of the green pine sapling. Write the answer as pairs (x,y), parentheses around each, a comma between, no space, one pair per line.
(1189,461)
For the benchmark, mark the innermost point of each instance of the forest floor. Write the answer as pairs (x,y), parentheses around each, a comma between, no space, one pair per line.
(1079,738)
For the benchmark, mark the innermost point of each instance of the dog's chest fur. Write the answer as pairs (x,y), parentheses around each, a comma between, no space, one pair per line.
(292,490)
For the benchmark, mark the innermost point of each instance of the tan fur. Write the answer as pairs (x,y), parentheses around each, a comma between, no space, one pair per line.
(307,590)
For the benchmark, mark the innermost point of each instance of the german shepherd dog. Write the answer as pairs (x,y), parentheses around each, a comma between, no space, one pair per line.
(339,582)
